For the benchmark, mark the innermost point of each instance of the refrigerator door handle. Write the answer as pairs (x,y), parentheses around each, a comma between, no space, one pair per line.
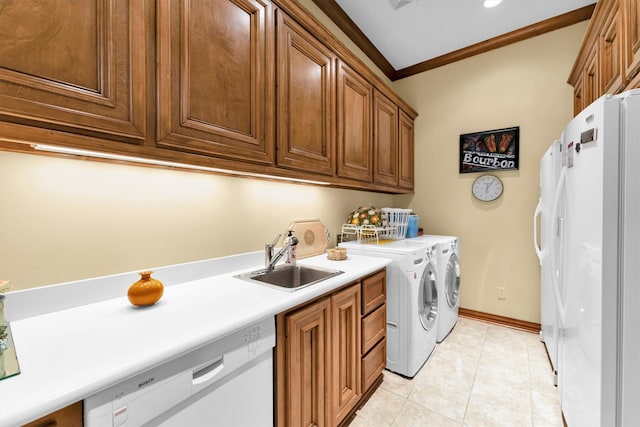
(536,214)
(555,284)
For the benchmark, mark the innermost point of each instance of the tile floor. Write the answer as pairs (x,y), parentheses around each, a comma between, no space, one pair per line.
(481,375)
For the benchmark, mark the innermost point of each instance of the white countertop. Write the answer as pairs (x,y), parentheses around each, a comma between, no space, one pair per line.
(70,354)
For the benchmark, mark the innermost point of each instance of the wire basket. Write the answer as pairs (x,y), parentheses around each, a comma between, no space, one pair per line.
(398,223)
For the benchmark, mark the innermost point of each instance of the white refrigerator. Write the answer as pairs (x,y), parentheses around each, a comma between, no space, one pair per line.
(550,168)
(590,259)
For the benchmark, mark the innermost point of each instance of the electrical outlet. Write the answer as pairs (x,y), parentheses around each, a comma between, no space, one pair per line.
(502,293)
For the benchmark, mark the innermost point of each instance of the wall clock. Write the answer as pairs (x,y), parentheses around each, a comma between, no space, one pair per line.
(487,188)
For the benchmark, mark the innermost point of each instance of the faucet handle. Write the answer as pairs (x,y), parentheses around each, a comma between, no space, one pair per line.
(268,251)
(272,244)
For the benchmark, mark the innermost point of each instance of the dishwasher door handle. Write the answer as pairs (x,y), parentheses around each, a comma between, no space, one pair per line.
(208,372)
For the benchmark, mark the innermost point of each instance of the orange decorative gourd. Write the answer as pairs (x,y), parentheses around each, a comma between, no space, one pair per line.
(146,291)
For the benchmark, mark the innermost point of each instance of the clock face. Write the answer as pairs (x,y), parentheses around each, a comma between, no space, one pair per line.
(487,188)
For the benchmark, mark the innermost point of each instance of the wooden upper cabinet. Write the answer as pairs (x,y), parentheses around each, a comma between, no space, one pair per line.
(578,102)
(393,142)
(385,140)
(253,86)
(76,66)
(216,78)
(306,100)
(611,58)
(591,78)
(406,177)
(631,20)
(355,100)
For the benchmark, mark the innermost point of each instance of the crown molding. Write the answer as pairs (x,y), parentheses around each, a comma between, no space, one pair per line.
(346,24)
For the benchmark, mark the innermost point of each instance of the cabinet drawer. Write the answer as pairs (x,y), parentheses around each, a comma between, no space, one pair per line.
(373,328)
(373,364)
(373,291)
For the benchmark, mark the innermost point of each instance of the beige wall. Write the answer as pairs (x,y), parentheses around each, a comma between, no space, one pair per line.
(63,219)
(523,85)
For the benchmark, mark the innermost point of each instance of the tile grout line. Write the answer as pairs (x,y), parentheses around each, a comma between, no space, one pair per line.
(475,374)
(485,337)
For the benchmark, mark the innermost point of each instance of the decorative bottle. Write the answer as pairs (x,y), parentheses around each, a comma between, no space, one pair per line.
(291,253)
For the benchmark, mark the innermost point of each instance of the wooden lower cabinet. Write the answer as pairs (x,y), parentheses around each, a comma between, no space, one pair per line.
(374,329)
(69,416)
(302,380)
(322,373)
(345,316)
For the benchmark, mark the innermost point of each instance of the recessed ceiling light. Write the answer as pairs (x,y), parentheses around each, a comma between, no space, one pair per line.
(491,3)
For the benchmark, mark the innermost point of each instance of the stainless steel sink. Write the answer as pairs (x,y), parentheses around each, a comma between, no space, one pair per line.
(289,277)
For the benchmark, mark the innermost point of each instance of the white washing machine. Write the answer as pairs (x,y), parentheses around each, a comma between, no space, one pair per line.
(412,301)
(448,273)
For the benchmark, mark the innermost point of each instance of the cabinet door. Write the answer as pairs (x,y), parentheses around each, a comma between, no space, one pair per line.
(345,313)
(578,102)
(631,13)
(308,363)
(611,65)
(76,66)
(215,78)
(406,177)
(306,99)
(354,125)
(590,78)
(385,140)
(69,416)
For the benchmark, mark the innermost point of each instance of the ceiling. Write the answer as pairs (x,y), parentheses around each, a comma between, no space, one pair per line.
(423,34)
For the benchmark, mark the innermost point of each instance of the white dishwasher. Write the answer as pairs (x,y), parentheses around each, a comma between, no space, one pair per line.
(228,382)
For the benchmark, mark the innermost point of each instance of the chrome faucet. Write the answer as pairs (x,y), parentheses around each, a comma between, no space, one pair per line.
(270,259)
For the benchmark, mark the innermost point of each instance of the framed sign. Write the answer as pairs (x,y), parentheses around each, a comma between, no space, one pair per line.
(489,150)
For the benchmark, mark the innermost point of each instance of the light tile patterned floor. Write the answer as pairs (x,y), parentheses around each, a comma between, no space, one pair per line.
(481,375)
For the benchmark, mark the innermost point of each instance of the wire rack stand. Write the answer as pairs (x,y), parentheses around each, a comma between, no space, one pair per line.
(368,233)
(397,220)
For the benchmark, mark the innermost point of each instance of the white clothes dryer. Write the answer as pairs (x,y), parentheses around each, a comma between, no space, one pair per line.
(448,273)
(412,301)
